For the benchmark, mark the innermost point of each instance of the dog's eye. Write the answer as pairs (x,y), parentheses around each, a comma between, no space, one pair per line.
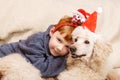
(86,42)
(75,40)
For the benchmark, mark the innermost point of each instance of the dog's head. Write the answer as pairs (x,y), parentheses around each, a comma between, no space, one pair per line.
(83,43)
(89,46)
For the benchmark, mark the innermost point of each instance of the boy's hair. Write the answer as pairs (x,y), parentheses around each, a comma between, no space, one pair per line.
(65,25)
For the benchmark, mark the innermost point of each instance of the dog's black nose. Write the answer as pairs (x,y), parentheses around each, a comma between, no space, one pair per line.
(73,49)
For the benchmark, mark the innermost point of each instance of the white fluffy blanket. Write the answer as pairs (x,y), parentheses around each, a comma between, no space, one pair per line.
(21,18)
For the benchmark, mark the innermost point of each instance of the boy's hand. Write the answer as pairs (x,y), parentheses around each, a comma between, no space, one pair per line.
(114,74)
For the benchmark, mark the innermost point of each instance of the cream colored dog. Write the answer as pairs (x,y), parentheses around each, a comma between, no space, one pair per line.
(89,57)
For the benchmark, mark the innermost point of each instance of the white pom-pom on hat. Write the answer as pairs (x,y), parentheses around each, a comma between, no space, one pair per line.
(99,10)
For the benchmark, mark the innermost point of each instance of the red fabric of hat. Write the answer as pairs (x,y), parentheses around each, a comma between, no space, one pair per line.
(90,23)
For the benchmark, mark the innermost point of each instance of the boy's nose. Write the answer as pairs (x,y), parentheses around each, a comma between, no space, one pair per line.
(60,47)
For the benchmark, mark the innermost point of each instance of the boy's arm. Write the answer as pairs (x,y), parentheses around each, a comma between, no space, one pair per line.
(6,49)
(49,66)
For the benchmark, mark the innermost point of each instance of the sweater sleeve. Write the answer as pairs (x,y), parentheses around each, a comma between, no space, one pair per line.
(6,49)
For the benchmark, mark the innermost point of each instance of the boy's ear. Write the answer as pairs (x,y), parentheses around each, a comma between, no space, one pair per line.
(52,31)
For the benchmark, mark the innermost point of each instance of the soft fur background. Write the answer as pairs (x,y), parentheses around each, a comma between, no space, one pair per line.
(20,18)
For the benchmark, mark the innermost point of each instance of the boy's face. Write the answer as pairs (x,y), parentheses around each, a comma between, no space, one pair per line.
(57,44)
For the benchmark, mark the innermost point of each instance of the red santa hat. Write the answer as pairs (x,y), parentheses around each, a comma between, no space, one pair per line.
(91,21)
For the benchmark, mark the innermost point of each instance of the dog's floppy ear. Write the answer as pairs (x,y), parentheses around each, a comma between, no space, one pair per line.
(101,51)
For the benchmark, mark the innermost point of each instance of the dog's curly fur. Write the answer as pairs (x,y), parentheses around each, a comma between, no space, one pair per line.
(93,65)
(15,67)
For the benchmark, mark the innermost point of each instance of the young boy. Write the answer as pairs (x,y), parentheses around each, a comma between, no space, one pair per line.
(48,50)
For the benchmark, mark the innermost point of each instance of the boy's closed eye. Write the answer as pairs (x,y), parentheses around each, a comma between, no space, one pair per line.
(67,46)
(59,40)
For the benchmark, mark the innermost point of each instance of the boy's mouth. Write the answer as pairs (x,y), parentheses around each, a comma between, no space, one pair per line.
(55,51)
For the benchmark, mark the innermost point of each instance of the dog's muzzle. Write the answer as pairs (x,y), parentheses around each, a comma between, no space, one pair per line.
(73,51)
